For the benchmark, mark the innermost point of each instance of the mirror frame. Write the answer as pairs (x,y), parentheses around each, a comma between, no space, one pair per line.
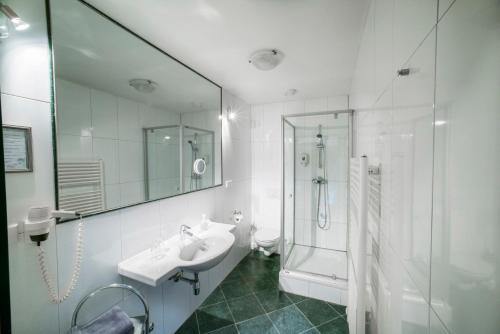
(54,109)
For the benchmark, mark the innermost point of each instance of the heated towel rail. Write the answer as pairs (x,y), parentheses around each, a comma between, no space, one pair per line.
(81,186)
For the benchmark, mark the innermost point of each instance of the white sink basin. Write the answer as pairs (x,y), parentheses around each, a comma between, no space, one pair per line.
(152,268)
(217,246)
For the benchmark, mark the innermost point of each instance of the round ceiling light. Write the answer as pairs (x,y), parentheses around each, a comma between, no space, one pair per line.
(266,59)
(143,85)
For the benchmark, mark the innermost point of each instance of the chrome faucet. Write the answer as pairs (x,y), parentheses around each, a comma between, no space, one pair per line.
(185,230)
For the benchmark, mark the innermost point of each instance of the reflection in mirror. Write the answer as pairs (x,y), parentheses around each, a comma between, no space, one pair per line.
(133,124)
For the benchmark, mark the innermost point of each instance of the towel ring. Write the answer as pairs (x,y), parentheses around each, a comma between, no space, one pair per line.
(147,328)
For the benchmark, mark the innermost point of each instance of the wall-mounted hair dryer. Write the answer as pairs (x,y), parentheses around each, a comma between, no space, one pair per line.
(39,221)
(37,226)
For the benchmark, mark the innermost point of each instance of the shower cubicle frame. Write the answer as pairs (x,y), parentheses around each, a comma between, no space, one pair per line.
(181,127)
(351,142)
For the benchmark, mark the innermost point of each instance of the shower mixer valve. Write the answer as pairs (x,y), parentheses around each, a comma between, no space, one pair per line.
(319,180)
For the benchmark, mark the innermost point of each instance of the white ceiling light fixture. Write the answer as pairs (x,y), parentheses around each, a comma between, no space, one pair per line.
(18,24)
(266,59)
(143,85)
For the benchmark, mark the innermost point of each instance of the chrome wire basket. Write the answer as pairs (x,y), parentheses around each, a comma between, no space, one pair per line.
(141,323)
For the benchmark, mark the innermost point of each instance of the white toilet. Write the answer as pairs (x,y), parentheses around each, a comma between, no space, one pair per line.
(267,240)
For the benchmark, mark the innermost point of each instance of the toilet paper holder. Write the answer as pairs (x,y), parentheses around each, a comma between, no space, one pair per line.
(237,216)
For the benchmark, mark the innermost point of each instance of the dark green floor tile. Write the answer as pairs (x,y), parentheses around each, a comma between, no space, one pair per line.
(339,308)
(215,297)
(252,266)
(226,330)
(289,320)
(317,311)
(311,331)
(235,289)
(213,317)
(273,299)
(258,325)
(336,326)
(245,308)
(295,298)
(261,283)
(190,326)
(233,275)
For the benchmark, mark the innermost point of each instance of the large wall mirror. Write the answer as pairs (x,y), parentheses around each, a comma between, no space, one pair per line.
(132,124)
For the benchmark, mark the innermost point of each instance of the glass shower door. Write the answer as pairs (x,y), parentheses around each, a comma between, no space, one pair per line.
(315,193)
(288,188)
(162,174)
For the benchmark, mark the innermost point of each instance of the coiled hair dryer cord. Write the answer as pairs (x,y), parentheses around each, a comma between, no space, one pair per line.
(48,280)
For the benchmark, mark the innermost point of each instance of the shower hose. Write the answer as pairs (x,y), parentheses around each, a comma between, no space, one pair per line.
(325,225)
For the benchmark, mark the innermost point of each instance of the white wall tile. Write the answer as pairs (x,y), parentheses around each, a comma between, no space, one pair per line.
(140,226)
(315,105)
(112,196)
(129,125)
(294,107)
(107,150)
(25,55)
(35,188)
(337,102)
(271,122)
(104,108)
(24,271)
(131,193)
(131,154)
(73,109)
(412,22)
(102,251)
(74,148)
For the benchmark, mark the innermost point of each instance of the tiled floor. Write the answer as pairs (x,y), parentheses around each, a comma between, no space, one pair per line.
(248,301)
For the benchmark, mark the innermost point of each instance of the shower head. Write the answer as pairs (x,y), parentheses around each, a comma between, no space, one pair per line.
(193,145)
(319,138)
(319,141)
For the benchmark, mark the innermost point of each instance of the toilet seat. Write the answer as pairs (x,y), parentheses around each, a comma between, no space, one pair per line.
(267,236)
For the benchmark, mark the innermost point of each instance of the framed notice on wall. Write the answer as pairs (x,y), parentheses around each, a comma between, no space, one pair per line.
(17,149)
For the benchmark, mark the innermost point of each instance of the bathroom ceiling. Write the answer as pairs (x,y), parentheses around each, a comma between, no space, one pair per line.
(320,40)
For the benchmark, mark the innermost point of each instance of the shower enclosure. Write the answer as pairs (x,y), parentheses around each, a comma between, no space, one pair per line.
(171,152)
(197,144)
(315,162)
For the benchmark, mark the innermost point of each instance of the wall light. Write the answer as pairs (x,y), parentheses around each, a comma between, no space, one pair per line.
(439,122)
(231,115)
(4,32)
(17,22)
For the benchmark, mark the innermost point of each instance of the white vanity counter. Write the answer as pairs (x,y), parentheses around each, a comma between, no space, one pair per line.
(155,265)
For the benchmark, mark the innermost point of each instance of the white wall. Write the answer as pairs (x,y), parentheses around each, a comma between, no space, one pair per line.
(266,153)
(436,176)
(25,98)
(109,237)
